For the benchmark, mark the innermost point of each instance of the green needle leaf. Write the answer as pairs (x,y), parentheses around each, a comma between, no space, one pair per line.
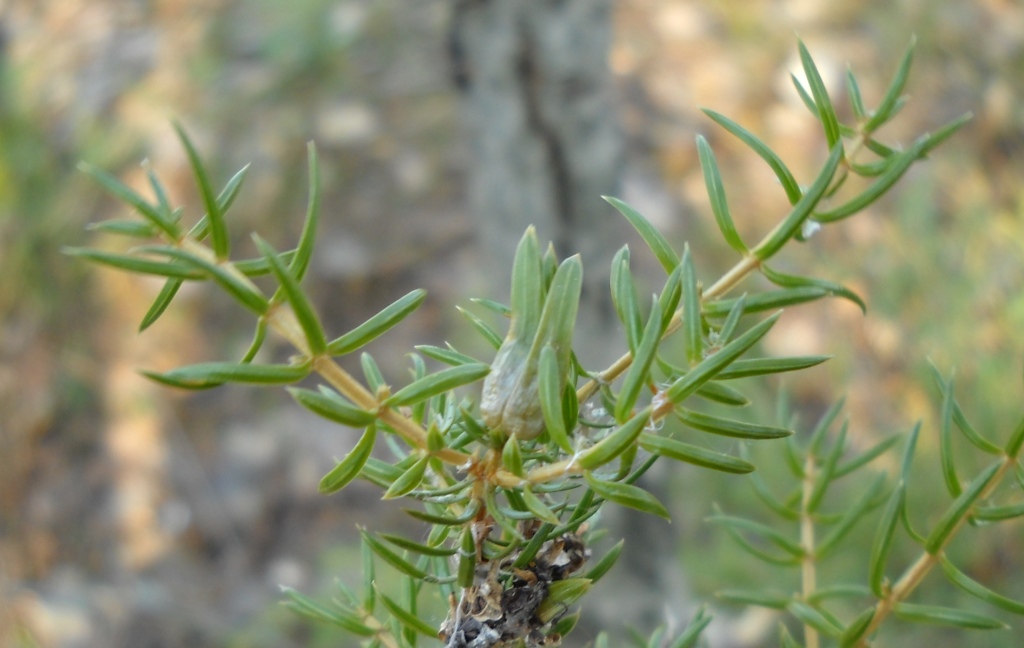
(771,600)
(974,588)
(761,530)
(822,426)
(692,326)
(825,476)
(258,267)
(856,99)
(435,440)
(448,356)
(871,169)
(550,395)
(549,263)
(160,304)
(883,540)
(626,495)
(304,251)
(161,195)
(332,406)
(303,310)
(530,549)
(309,608)
(378,324)
(615,443)
(467,558)
(652,237)
(561,594)
(945,132)
(639,370)
(537,507)
(947,617)
(808,615)
(786,640)
(946,441)
(564,623)
(512,457)
(856,628)
(482,327)
(416,547)
(134,263)
(696,455)
(897,167)
(785,230)
(127,195)
(774,161)
(404,617)
(504,517)
(839,591)
(886,109)
(826,112)
(527,289)
(493,306)
(350,467)
(804,97)
(777,506)
(445,520)
(570,406)
(768,300)
(227,196)
(723,394)
(624,298)
(737,311)
(374,377)
(601,567)
(879,149)
(908,452)
(786,560)
(765,366)
(795,457)
(867,456)
(715,363)
(793,281)
(716,193)
(688,639)
(961,421)
(1013,446)
(958,510)
(132,228)
(437,383)
(730,427)
(408,481)
(211,374)
(558,316)
(380,473)
(997,513)
(369,573)
(218,228)
(670,295)
(239,287)
(850,518)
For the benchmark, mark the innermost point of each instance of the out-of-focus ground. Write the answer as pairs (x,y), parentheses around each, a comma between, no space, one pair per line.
(132,515)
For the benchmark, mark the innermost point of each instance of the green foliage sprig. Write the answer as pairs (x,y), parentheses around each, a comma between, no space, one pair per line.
(815,467)
(507,481)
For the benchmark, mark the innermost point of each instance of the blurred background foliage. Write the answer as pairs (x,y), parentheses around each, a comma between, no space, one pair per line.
(132,515)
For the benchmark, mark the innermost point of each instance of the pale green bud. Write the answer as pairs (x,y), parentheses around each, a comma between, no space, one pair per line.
(510,401)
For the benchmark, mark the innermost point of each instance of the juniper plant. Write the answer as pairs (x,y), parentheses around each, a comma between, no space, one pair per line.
(507,461)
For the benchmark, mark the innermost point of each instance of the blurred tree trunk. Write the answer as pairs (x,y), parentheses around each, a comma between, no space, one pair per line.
(546,146)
